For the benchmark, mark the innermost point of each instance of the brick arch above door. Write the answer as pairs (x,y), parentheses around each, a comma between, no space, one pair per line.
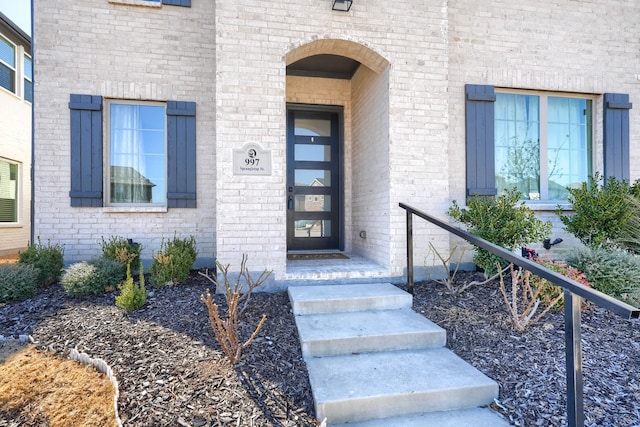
(359,52)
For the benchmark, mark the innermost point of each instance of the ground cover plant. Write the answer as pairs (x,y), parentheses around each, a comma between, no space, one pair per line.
(17,281)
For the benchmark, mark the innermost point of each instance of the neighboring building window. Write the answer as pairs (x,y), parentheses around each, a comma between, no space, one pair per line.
(137,153)
(542,144)
(8,191)
(7,65)
(28,79)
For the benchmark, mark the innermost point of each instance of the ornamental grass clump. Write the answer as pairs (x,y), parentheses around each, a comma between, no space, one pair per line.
(173,263)
(502,220)
(17,282)
(49,260)
(237,296)
(612,271)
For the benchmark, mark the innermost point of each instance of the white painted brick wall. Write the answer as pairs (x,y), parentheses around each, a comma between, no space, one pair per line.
(232,62)
(124,52)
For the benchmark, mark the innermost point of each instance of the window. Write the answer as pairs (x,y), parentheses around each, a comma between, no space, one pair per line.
(542,144)
(8,191)
(28,79)
(150,149)
(137,153)
(7,65)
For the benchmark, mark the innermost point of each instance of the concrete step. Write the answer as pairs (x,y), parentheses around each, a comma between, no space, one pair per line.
(474,417)
(387,384)
(347,298)
(331,334)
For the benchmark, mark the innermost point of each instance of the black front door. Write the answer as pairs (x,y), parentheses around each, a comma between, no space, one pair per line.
(314,182)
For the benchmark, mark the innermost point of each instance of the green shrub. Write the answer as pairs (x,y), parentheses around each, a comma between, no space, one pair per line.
(49,260)
(92,278)
(17,282)
(609,270)
(132,296)
(601,212)
(174,261)
(112,247)
(501,220)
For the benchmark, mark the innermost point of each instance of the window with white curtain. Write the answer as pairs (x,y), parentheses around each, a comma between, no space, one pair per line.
(542,143)
(137,172)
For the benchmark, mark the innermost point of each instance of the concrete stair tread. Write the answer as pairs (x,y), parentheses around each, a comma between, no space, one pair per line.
(376,385)
(344,298)
(472,417)
(365,331)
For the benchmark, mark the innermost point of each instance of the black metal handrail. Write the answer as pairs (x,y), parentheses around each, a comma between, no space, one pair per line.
(572,291)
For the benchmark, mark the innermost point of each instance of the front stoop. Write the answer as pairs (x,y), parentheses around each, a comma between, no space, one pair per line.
(373,361)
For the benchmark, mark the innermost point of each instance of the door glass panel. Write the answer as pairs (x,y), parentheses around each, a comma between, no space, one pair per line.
(312,127)
(312,178)
(313,203)
(312,153)
(313,228)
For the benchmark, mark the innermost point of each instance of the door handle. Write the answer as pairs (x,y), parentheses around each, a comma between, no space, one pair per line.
(290,203)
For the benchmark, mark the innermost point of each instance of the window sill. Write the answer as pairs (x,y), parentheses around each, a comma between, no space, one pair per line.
(11,225)
(550,205)
(146,3)
(135,209)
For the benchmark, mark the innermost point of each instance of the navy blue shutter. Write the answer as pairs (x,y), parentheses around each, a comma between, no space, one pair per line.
(86,150)
(616,135)
(181,154)
(479,114)
(185,3)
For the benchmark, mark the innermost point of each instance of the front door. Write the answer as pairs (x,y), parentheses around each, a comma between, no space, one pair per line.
(314,181)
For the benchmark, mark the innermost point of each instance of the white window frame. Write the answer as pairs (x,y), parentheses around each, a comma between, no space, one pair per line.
(15,68)
(125,207)
(543,133)
(18,193)
(25,78)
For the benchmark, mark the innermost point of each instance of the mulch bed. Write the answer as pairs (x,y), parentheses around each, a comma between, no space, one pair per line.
(172,372)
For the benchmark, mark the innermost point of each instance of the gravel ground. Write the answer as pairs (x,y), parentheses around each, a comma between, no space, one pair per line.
(172,372)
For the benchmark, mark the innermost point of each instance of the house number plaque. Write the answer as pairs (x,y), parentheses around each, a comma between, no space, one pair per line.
(251,160)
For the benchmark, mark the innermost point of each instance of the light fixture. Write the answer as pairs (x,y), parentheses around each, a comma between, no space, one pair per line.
(342,5)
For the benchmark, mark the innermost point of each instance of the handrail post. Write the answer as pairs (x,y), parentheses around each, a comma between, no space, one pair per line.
(410,251)
(573,351)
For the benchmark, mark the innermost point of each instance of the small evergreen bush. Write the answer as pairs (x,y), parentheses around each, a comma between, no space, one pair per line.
(132,296)
(17,282)
(92,278)
(49,260)
(111,247)
(174,261)
(502,220)
(601,212)
(609,270)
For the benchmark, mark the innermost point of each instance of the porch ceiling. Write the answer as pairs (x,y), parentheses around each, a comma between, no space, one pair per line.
(324,65)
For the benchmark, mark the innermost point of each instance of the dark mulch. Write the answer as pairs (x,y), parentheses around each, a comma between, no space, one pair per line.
(173,373)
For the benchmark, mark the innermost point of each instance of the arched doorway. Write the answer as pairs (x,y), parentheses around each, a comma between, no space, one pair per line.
(344,85)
